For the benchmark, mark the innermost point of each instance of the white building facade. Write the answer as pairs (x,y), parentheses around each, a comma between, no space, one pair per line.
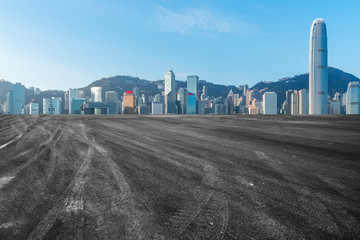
(269,103)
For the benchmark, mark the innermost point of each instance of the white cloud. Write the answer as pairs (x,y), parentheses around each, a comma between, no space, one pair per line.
(194,19)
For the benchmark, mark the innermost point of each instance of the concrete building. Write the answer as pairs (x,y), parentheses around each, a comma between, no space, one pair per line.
(111,96)
(303,102)
(334,107)
(294,103)
(204,93)
(34,108)
(230,98)
(96,94)
(77,105)
(16,99)
(181,99)
(99,108)
(269,103)
(318,72)
(51,106)
(72,94)
(170,105)
(353,98)
(157,108)
(201,107)
(287,106)
(144,110)
(129,103)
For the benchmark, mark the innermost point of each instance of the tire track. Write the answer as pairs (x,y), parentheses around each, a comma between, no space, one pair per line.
(65,206)
(206,215)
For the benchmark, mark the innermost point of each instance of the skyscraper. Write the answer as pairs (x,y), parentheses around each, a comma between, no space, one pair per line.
(294,103)
(51,106)
(288,102)
(193,89)
(34,108)
(73,94)
(129,103)
(96,94)
(204,93)
(16,99)
(269,103)
(318,72)
(170,105)
(181,98)
(111,96)
(353,98)
(303,102)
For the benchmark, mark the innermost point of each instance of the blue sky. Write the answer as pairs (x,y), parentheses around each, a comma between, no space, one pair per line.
(67,44)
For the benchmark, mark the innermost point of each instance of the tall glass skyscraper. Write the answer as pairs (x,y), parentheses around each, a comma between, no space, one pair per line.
(318,72)
(170,105)
(353,98)
(16,99)
(193,91)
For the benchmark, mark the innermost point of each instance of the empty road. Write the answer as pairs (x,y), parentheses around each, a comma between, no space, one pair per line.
(179,177)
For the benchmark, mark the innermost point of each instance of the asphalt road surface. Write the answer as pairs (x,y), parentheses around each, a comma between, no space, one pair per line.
(179,177)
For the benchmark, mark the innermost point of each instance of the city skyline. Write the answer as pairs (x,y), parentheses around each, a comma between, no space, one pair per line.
(68,48)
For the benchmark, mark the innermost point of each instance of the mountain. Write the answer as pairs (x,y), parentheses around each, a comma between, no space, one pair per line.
(338,81)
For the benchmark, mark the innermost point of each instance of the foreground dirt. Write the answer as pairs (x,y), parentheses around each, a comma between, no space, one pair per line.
(178,177)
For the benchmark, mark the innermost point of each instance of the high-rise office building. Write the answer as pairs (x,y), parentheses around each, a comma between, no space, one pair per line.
(16,99)
(170,105)
(269,103)
(181,99)
(157,108)
(230,98)
(34,108)
(318,72)
(111,96)
(288,101)
(192,95)
(204,93)
(129,103)
(96,94)
(51,106)
(249,96)
(353,98)
(245,89)
(303,102)
(72,94)
(294,103)
(334,107)
(191,107)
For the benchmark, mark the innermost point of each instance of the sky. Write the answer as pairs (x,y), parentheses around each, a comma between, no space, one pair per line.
(61,44)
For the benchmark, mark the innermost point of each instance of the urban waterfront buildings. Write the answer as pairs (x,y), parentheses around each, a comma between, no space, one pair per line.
(353,98)
(318,68)
(269,103)
(170,105)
